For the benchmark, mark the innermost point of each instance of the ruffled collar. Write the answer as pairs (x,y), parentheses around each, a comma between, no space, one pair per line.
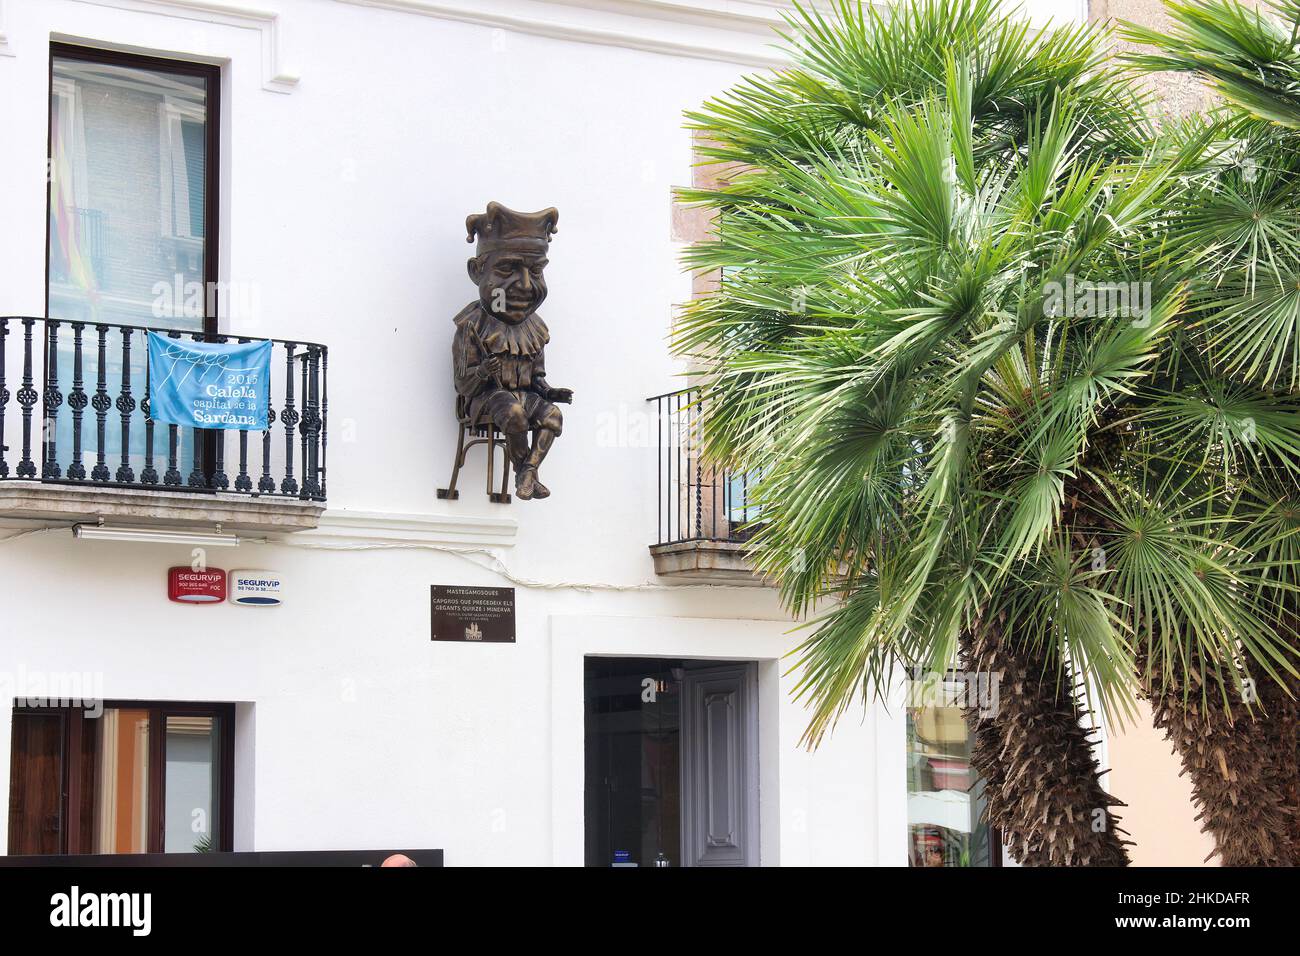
(498,338)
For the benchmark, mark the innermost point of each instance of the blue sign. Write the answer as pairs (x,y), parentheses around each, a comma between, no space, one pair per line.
(209,385)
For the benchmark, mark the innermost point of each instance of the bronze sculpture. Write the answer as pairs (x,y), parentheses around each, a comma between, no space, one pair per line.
(499,350)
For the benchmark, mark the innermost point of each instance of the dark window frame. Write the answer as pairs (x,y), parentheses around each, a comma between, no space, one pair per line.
(72,769)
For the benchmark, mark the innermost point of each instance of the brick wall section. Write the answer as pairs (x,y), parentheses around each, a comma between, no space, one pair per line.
(690,224)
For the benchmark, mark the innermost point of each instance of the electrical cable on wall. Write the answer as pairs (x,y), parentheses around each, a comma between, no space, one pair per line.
(494,564)
(497,566)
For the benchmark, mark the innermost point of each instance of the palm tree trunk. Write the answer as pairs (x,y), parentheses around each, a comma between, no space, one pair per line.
(1241,762)
(1037,762)
(1281,705)
(1282,745)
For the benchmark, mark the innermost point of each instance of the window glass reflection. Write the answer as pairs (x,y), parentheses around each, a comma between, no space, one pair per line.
(945,800)
(120,801)
(191,781)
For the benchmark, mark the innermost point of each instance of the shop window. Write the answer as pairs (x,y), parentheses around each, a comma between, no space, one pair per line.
(945,799)
(121,778)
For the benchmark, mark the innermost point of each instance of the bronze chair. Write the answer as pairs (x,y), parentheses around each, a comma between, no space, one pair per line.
(479,431)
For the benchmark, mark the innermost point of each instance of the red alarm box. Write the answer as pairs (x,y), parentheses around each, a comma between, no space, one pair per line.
(187,586)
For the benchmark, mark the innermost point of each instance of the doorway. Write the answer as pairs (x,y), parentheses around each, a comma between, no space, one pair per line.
(671,762)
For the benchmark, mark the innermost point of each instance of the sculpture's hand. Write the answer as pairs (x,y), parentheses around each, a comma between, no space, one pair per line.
(490,367)
(563,396)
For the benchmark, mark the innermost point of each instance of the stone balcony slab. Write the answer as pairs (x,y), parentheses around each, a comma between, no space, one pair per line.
(160,507)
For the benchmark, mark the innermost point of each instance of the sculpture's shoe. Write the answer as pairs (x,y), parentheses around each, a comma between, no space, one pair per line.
(540,490)
(526,484)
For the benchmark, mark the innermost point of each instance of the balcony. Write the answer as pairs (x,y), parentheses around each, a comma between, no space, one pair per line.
(77,443)
(704,514)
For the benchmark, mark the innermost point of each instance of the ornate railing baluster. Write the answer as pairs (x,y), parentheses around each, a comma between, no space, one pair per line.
(77,401)
(53,399)
(149,476)
(311,425)
(4,397)
(289,418)
(324,413)
(101,403)
(125,406)
(303,426)
(219,478)
(27,397)
(266,483)
(197,478)
(172,476)
(242,481)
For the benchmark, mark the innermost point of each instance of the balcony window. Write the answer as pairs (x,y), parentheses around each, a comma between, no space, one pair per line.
(131,195)
(137,778)
(130,152)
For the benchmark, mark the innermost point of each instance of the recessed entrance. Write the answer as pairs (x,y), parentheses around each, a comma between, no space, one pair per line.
(671,762)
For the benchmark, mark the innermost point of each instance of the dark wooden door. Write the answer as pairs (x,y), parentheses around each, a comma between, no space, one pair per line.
(36,785)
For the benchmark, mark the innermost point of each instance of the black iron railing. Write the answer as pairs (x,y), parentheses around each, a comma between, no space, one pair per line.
(697,500)
(80,415)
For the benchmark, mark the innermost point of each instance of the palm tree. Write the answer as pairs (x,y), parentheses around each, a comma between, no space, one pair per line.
(962,458)
(1243,761)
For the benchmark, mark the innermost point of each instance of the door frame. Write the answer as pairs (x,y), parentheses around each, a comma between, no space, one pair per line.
(573,637)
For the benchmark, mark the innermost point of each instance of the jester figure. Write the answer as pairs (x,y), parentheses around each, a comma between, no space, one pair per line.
(499,352)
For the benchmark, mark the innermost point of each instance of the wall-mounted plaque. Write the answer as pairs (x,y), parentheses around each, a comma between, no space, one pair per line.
(479,615)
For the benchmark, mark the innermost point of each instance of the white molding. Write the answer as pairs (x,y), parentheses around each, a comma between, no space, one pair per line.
(757,16)
(343,528)
(275,76)
(5,48)
(722,30)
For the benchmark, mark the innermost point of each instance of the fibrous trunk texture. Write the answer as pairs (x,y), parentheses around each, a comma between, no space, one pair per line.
(1280,733)
(1037,761)
(1241,761)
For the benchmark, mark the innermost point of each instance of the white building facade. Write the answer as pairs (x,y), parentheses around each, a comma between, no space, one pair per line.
(316,159)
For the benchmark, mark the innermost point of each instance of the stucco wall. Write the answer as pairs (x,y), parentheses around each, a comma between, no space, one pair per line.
(1160,816)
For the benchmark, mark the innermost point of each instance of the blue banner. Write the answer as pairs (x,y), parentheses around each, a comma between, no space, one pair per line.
(207,385)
